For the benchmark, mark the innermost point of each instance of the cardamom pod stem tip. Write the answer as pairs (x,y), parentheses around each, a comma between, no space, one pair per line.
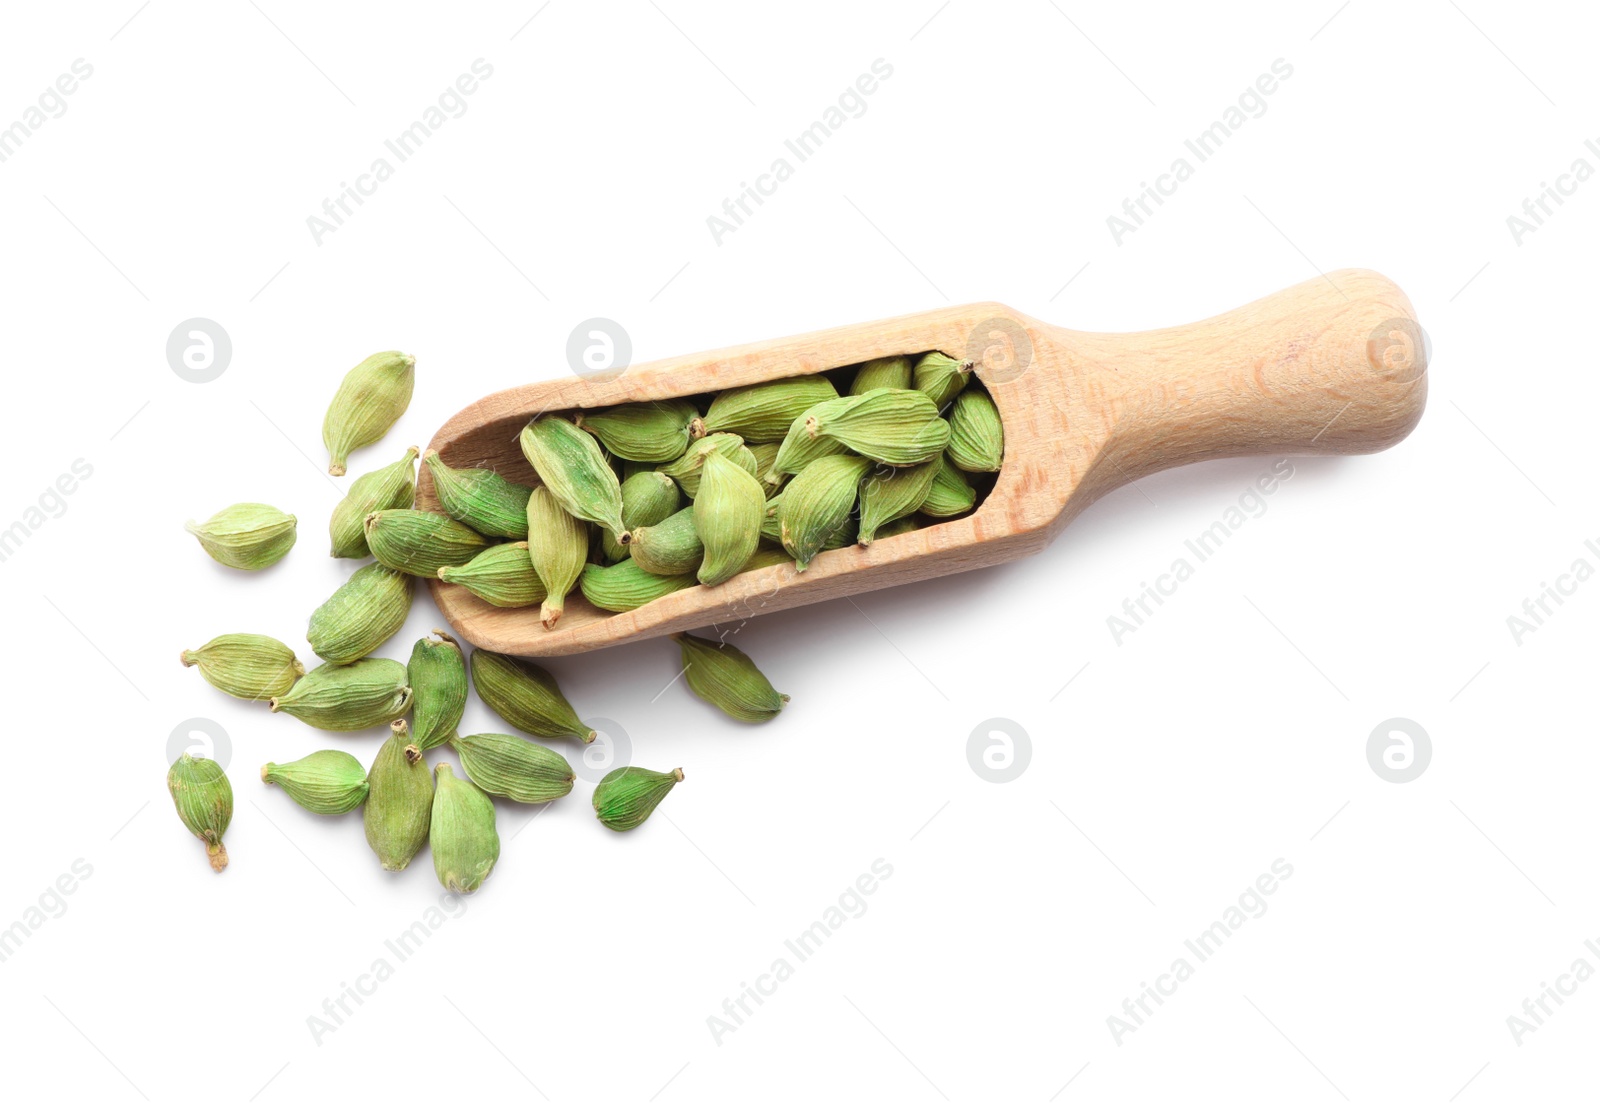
(218,855)
(677,773)
(187,659)
(697,428)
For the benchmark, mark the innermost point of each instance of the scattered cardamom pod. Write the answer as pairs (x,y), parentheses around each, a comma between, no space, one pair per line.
(645,432)
(950,494)
(461,834)
(418,542)
(763,412)
(370,399)
(887,371)
(438,676)
(204,800)
(365,694)
(941,378)
(502,575)
(977,441)
(248,536)
(625,797)
(510,766)
(399,803)
(727,516)
(766,456)
(558,547)
(686,469)
(329,783)
(648,498)
(624,587)
(894,427)
(480,499)
(526,697)
(800,447)
(570,462)
(247,666)
(817,502)
(721,674)
(371,606)
(671,548)
(891,493)
(392,487)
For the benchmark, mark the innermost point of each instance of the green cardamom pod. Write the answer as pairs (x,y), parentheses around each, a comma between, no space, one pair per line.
(365,694)
(766,457)
(392,487)
(686,470)
(765,557)
(480,499)
(763,412)
(625,797)
(727,516)
(890,493)
(722,675)
(941,378)
(558,548)
(900,527)
(502,575)
(771,529)
(671,548)
(329,783)
(438,676)
(648,498)
(625,586)
(571,463)
(361,615)
(247,536)
(645,432)
(817,502)
(950,494)
(902,428)
(247,666)
(370,399)
(461,835)
(510,766)
(526,697)
(418,542)
(977,441)
(399,804)
(204,800)
(887,371)
(800,447)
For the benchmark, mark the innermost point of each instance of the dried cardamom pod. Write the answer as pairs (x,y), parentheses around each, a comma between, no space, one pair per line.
(248,536)
(370,399)
(526,697)
(686,470)
(950,493)
(891,493)
(365,694)
(671,548)
(461,833)
(392,487)
(418,542)
(721,674)
(763,412)
(247,666)
(480,499)
(941,378)
(625,798)
(371,606)
(570,462)
(645,432)
(558,547)
(770,528)
(817,502)
(399,803)
(887,371)
(900,527)
(765,557)
(329,783)
(502,575)
(510,766)
(766,457)
(204,800)
(648,498)
(902,428)
(438,675)
(623,587)
(800,447)
(977,441)
(727,516)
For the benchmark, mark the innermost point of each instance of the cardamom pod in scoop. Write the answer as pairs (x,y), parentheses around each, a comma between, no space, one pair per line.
(671,548)
(392,487)
(817,502)
(502,575)
(247,666)
(721,674)
(727,517)
(480,499)
(204,800)
(941,378)
(977,441)
(418,542)
(526,697)
(461,833)
(329,783)
(891,493)
(645,432)
(763,412)
(625,797)
(571,463)
(894,427)
(399,804)
(558,547)
(248,536)
(686,469)
(887,371)
(950,494)
(626,586)
(648,498)
(370,399)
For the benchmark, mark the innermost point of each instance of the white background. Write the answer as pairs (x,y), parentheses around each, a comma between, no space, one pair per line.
(1228,732)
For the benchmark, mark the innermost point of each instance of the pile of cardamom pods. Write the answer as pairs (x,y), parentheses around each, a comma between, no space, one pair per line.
(773,473)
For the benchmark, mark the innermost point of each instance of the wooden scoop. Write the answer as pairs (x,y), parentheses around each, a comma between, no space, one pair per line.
(1334,365)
